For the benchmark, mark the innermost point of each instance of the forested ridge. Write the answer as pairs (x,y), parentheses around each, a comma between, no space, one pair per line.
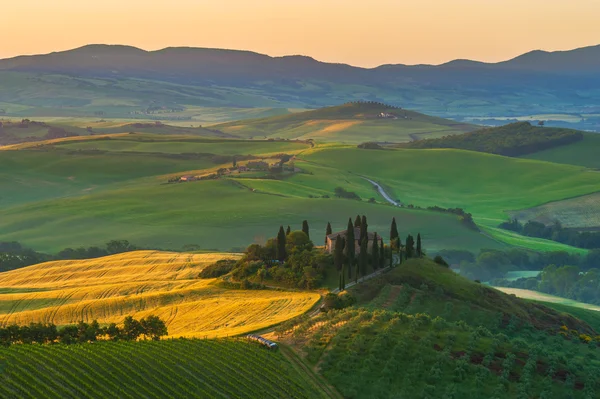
(511,140)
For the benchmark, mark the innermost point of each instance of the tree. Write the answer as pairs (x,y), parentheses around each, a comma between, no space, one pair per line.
(234,163)
(376,253)
(382,255)
(305,228)
(261,273)
(281,241)
(350,247)
(357,221)
(394,237)
(419,247)
(363,258)
(118,246)
(153,327)
(363,228)
(288,231)
(338,253)
(328,231)
(132,328)
(410,247)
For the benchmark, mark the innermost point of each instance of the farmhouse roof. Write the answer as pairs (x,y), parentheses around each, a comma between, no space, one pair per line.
(334,236)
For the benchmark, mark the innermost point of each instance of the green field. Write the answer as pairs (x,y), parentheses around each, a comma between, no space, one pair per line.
(165,369)
(542,297)
(349,123)
(583,153)
(486,185)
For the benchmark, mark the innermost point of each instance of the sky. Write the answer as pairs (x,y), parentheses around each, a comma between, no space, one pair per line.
(363,33)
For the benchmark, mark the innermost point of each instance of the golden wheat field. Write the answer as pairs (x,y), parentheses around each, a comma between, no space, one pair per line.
(142,283)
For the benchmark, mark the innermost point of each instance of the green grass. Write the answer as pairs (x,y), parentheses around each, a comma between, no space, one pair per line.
(582,153)
(165,369)
(486,185)
(592,317)
(153,144)
(212,214)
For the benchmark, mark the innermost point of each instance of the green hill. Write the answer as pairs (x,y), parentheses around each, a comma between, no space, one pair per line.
(511,140)
(421,330)
(164,369)
(581,153)
(488,186)
(349,123)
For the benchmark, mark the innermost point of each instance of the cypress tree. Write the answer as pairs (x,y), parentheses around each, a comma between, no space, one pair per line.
(343,278)
(410,247)
(363,228)
(305,229)
(357,221)
(328,231)
(382,255)
(338,253)
(288,231)
(376,253)
(419,248)
(394,237)
(281,238)
(350,247)
(364,258)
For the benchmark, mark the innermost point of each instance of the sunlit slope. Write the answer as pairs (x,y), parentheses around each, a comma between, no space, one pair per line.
(349,123)
(142,283)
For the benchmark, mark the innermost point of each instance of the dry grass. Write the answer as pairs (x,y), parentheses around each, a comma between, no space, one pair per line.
(142,283)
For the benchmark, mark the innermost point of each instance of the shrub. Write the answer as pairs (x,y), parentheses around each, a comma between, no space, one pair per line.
(440,261)
(218,269)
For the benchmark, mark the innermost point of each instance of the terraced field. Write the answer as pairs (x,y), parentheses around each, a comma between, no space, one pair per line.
(165,369)
(143,283)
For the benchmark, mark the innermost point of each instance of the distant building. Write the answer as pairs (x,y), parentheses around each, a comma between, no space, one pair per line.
(331,238)
(242,168)
(188,178)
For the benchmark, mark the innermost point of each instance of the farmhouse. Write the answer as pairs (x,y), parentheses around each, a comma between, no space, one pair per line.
(370,236)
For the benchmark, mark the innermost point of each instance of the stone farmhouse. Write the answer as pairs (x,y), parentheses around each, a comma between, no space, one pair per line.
(370,236)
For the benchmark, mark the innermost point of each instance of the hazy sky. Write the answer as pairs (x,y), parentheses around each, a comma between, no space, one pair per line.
(365,33)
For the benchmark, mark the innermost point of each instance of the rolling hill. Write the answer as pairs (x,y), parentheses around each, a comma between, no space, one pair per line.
(143,283)
(349,123)
(121,81)
(422,330)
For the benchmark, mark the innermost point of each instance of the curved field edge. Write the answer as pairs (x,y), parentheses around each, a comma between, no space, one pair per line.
(139,284)
(164,369)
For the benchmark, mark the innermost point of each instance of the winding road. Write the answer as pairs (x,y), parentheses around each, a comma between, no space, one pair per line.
(382,192)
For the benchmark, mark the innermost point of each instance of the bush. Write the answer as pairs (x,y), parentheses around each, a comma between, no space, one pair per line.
(341,192)
(218,269)
(440,261)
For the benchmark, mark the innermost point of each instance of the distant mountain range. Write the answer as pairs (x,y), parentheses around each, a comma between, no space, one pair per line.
(536,82)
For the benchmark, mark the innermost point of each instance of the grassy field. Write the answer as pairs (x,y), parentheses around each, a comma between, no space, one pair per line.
(165,369)
(583,153)
(349,123)
(540,296)
(139,284)
(486,185)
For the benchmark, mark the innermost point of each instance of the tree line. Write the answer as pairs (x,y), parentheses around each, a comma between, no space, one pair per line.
(511,140)
(351,263)
(150,327)
(492,264)
(565,281)
(555,232)
(13,255)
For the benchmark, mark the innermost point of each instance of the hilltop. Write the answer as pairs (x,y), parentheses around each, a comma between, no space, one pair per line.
(122,81)
(514,139)
(355,122)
